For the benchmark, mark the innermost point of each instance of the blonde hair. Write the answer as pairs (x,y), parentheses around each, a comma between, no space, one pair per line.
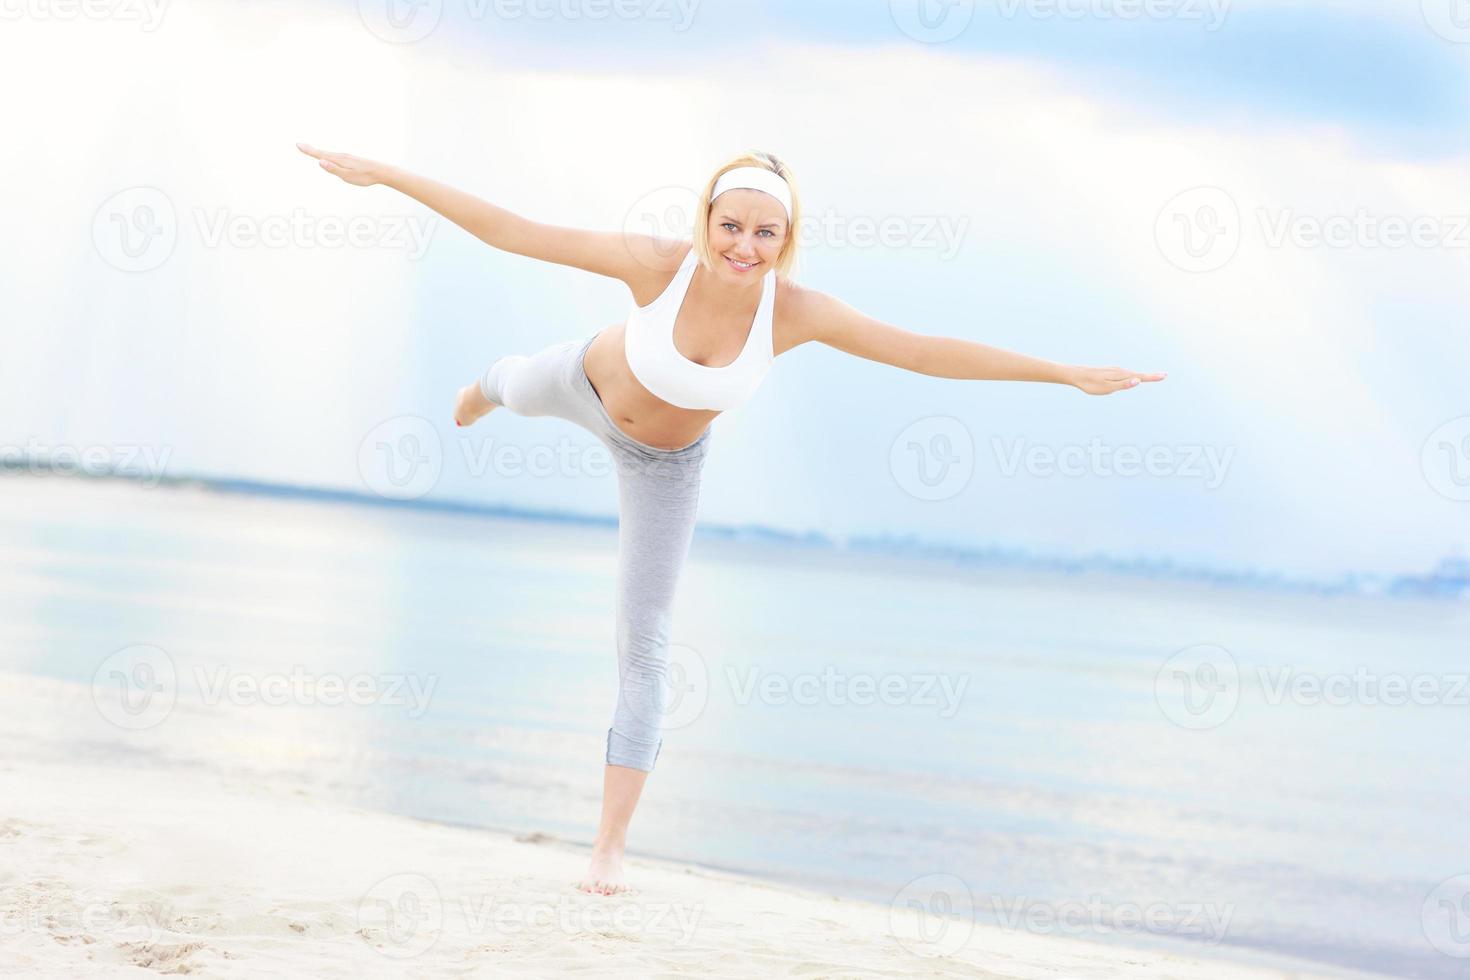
(786,259)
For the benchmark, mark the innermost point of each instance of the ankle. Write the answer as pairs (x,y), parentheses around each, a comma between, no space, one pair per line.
(608,841)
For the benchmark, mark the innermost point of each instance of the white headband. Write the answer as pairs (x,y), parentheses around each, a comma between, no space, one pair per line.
(755,179)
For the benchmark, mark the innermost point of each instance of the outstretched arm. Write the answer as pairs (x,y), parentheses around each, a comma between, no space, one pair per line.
(829,320)
(609,253)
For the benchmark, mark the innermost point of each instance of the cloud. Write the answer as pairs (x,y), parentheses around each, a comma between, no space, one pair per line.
(1324,368)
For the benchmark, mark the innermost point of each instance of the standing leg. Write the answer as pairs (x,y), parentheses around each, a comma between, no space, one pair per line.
(658,494)
(658,497)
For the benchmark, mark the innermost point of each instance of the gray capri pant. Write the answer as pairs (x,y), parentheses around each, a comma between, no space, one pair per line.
(658,492)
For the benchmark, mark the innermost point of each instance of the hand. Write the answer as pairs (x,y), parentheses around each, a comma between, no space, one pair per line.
(355,170)
(1105,381)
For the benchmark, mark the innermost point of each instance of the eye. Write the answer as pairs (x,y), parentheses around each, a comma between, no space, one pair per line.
(769,232)
(728,224)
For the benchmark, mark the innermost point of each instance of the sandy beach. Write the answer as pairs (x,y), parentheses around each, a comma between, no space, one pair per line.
(236,836)
(120,872)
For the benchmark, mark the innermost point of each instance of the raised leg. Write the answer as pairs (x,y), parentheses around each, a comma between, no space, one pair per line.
(471,405)
(528,384)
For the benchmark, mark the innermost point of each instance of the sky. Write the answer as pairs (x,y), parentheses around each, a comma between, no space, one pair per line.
(1266,200)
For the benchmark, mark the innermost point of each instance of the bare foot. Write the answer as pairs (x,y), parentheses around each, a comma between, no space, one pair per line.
(472,405)
(605,874)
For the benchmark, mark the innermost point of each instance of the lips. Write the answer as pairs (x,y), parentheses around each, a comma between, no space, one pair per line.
(741,266)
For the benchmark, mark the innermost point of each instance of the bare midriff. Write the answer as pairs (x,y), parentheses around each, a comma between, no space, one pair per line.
(641,414)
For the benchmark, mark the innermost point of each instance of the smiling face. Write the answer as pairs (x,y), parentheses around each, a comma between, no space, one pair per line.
(747,230)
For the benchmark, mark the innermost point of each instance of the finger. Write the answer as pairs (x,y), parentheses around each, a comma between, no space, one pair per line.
(331,167)
(343,160)
(309,150)
(1156,376)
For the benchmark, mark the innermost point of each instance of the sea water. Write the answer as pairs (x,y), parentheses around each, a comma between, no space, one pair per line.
(1022,747)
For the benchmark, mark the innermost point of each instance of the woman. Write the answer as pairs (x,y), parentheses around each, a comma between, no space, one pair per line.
(709,318)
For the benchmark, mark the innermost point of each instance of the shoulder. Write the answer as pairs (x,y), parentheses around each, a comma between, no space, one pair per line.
(800,313)
(652,265)
(815,315)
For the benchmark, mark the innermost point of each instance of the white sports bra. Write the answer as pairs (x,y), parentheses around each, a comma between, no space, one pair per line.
(648,343)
